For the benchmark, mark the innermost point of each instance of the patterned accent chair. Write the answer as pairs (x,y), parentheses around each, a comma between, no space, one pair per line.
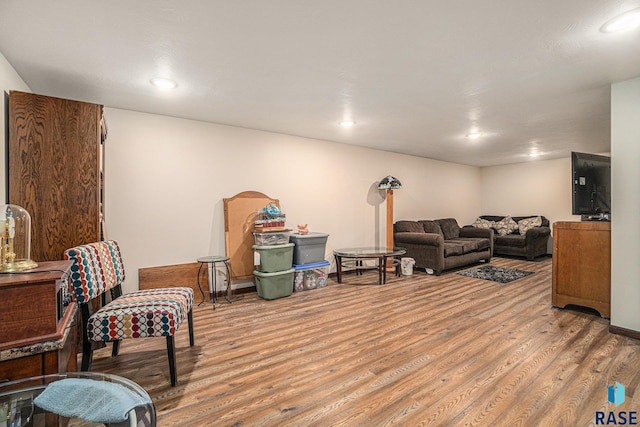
(97,268)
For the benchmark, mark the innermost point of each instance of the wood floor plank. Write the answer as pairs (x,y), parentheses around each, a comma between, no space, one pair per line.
(421,350)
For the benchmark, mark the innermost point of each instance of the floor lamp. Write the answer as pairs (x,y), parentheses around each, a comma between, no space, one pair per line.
(389,184)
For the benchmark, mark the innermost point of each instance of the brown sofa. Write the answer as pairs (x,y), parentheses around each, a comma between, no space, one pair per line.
(531,244)
(441,244)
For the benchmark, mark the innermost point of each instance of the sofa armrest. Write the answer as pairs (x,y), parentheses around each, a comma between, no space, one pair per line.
(431,239)
(537,232)
(427,249)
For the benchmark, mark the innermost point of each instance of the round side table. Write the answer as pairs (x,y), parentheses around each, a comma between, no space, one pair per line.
(212,261)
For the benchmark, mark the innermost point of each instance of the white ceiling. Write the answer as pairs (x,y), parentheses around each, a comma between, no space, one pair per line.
(416,75)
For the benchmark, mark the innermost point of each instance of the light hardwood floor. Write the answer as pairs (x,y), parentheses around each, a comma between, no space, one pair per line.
(420,350)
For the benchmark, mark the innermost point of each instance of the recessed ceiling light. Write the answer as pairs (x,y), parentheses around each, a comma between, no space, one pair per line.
(627,21)
(164,83)
(347,123)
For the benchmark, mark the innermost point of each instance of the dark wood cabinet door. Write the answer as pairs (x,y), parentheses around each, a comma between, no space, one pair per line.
(53,168)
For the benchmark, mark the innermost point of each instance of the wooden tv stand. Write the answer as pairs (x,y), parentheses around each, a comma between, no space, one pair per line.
(582,265)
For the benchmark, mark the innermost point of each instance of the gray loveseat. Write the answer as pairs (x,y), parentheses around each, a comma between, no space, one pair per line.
(521,239)
(441,244)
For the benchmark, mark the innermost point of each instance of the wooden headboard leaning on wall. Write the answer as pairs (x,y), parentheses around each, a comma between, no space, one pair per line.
(239,218)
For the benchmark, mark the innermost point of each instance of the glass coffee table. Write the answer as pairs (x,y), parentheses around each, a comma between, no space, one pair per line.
(75,399)
(352,258)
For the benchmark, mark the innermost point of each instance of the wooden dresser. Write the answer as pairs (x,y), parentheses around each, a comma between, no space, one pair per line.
(582,265)
(38,333)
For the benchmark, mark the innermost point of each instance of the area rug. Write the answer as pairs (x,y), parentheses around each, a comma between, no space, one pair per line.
(496,274)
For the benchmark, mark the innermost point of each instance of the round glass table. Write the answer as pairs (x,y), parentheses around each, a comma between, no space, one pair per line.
(75,399)
(352,258)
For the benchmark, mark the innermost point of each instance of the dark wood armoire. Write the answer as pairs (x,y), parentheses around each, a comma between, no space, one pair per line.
(55,170)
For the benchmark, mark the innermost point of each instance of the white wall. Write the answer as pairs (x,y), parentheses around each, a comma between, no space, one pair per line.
(625,201)
(533,188)
(9,80)
(166,178)
(541,187)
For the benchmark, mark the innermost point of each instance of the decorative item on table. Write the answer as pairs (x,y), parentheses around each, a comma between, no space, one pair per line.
(15,239)
(303,229)
(270,218)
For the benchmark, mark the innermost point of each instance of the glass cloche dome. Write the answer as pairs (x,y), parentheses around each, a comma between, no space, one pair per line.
(15,239)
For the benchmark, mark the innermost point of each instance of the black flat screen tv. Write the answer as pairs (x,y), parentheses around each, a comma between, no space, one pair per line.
(591,186)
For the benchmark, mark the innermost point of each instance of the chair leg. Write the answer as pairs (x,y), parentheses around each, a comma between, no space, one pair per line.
(190,320)
(87,346)
(115,348)
(171,351)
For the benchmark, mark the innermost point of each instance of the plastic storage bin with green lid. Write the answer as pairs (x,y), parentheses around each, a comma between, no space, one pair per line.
(274,285)
(269,259)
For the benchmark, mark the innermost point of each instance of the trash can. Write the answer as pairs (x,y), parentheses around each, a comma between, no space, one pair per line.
(406,265)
